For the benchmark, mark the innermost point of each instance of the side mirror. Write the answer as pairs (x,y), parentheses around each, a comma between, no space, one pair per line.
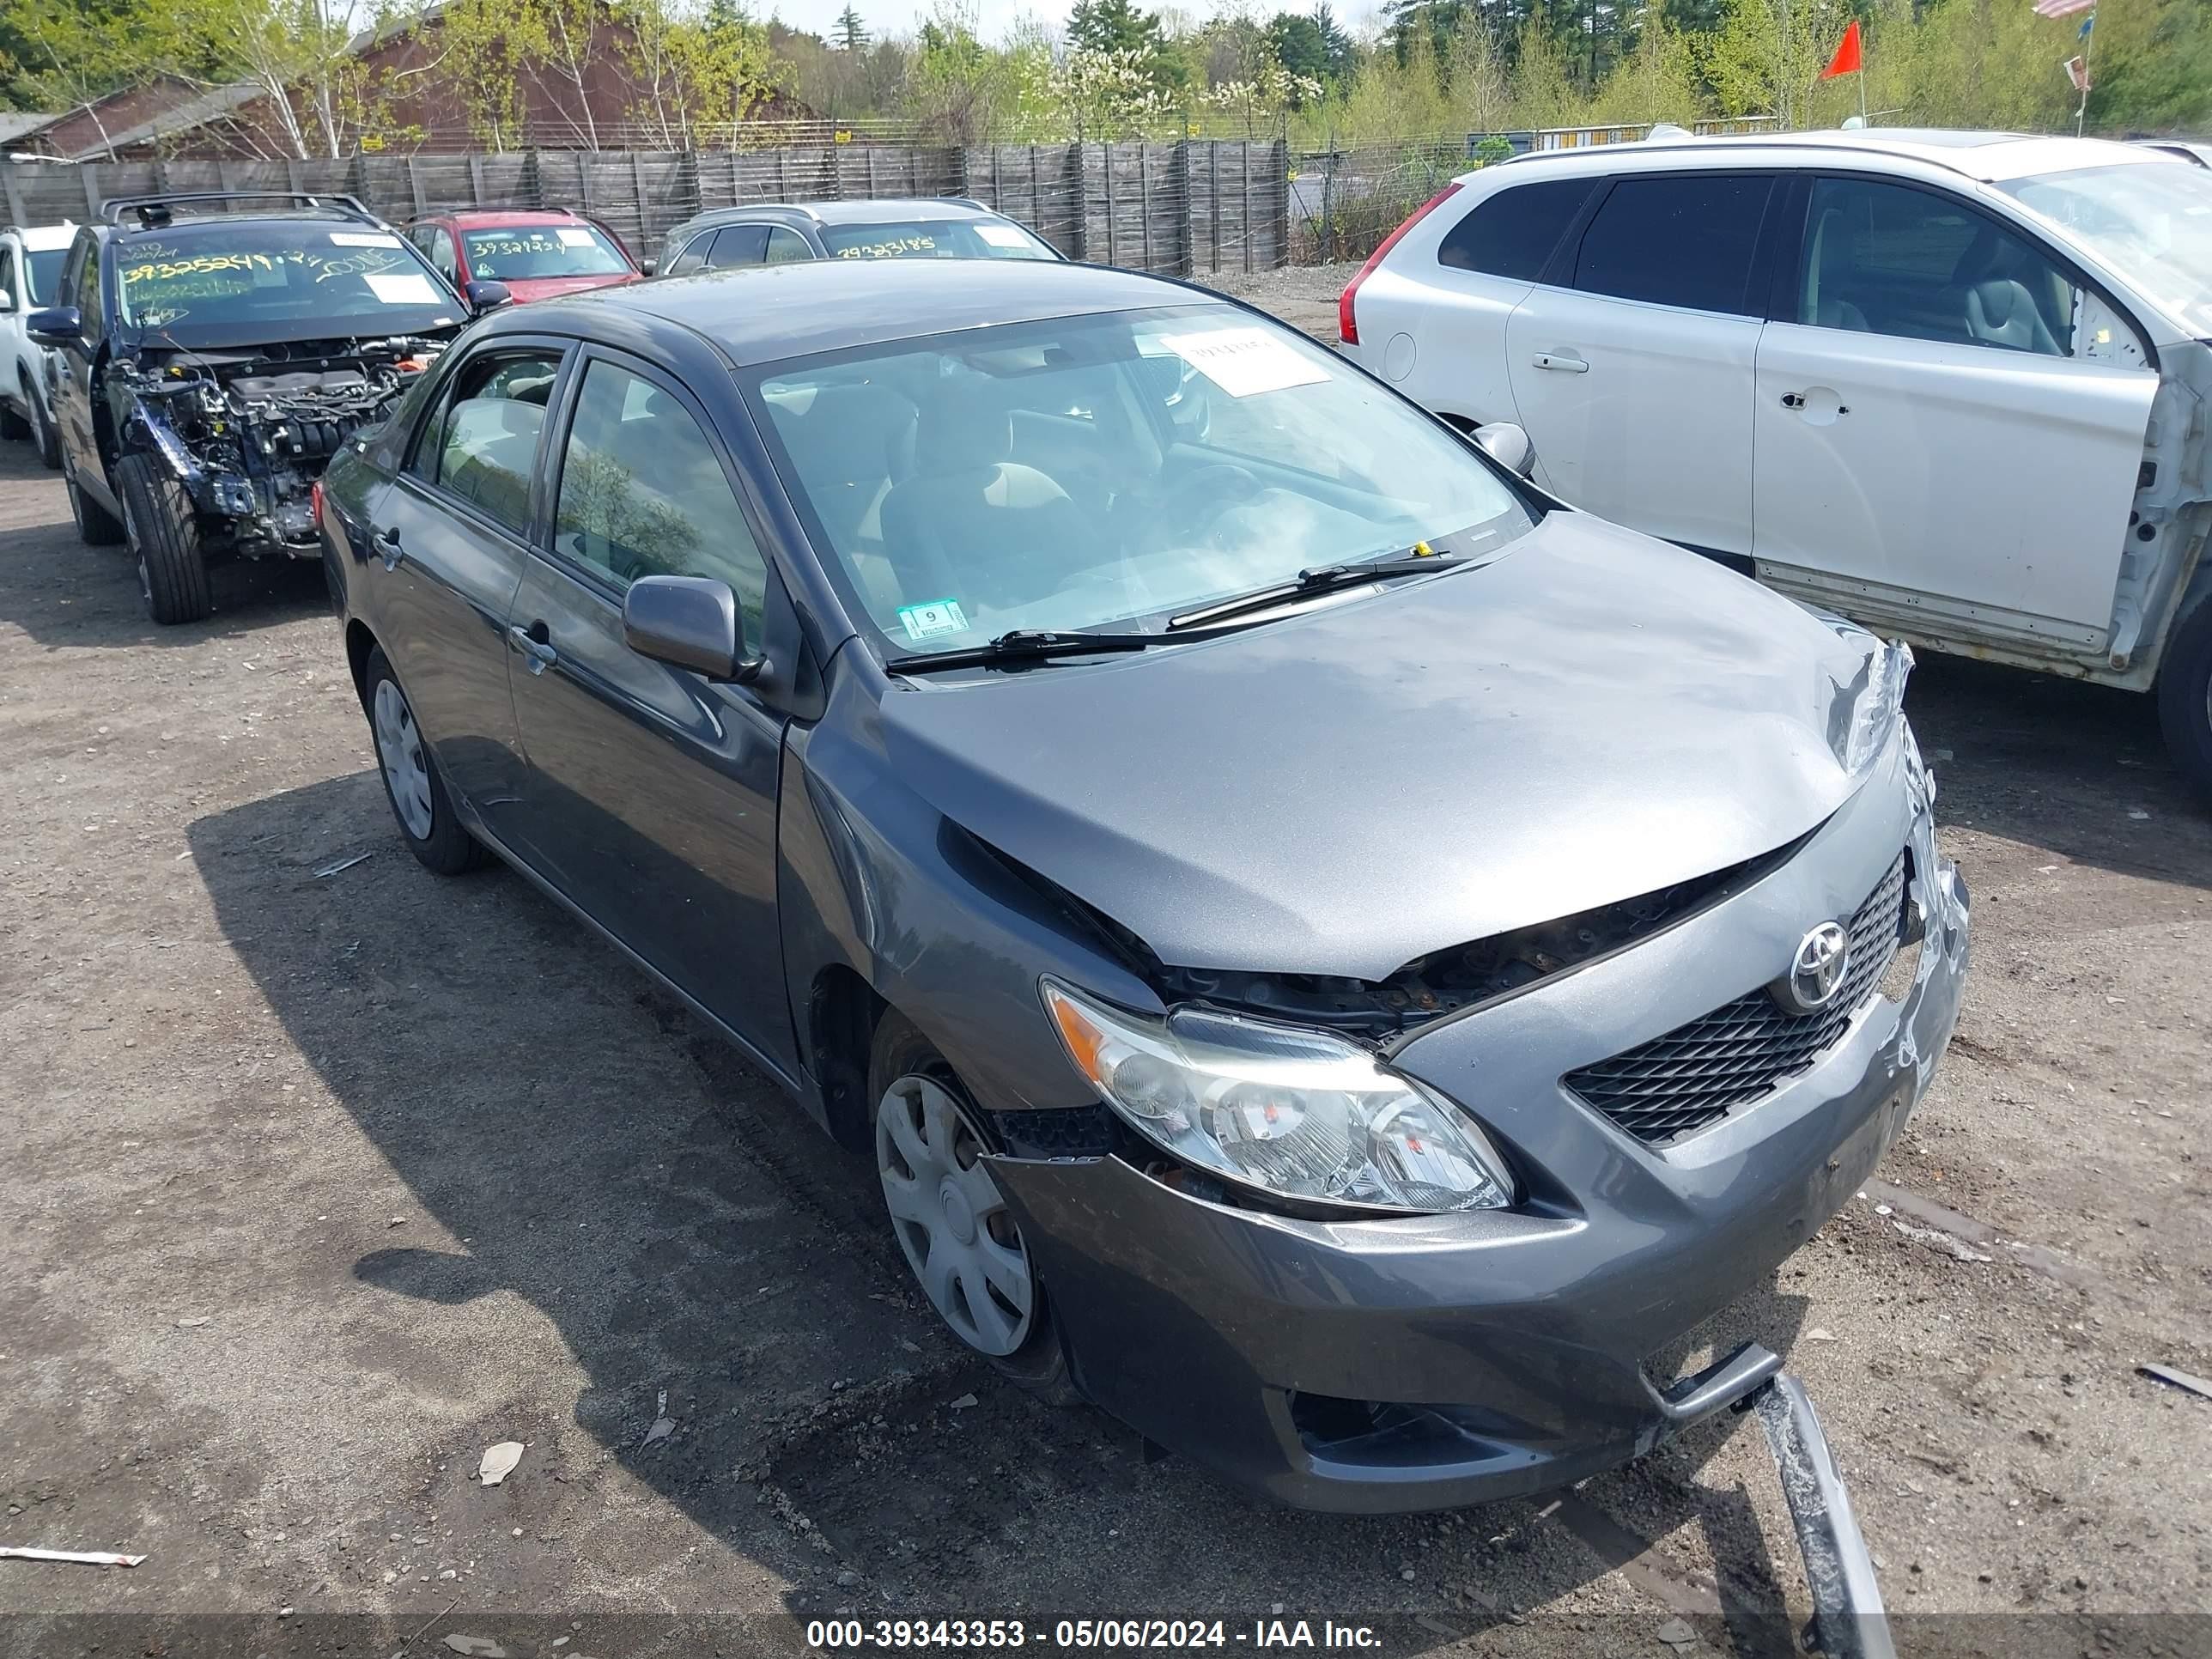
(486,296)
(56,326)
(648,266)
(1507,444)
(690,622)
(6,301)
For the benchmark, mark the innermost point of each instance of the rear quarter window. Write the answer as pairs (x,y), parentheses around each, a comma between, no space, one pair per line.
(1676,239)
(1514,232)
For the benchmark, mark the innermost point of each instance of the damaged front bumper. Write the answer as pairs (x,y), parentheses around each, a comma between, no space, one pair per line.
(1426,1362)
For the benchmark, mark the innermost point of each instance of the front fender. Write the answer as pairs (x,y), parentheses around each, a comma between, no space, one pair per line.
(873,878)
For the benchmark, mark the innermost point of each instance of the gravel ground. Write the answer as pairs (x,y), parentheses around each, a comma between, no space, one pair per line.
(319,1174)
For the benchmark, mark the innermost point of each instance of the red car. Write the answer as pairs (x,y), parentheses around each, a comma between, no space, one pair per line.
(536,254)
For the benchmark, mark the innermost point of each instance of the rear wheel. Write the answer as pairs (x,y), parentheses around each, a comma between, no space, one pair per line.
(2185,698)
(951,1221)
(165,539)
(96,525)
(412,782)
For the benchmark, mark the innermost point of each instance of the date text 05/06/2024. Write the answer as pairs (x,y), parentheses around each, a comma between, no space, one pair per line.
(832,1635)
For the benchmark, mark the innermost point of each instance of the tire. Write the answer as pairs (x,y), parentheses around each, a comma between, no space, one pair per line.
(901,1061)
(44,438)
(164,536)
(96,525)
(2185,698)
(413,786)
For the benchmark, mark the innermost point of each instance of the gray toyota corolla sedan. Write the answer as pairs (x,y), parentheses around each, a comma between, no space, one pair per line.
(1338,958)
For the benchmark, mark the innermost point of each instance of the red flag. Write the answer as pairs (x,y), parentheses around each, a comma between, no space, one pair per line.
(1846,60)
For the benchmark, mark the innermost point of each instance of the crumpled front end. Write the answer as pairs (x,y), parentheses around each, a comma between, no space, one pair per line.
(247,439)
(1426,1361)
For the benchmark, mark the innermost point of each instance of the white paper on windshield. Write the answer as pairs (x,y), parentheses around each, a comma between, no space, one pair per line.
(401,288)
(363,238)
(578,239)
(1003,235)
(1244,361)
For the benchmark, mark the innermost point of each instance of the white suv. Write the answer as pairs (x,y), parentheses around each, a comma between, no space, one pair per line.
(1953,385)
(30,272)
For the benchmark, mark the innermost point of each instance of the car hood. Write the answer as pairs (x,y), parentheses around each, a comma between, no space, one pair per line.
(1592,716)
(526,289)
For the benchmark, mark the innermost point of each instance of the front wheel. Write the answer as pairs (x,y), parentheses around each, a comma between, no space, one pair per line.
(411,780)
(951,1221)
(165,539)
(2185,698)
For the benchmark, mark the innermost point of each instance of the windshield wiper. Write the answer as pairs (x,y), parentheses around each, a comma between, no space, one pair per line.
(1022,644)
(1321,579)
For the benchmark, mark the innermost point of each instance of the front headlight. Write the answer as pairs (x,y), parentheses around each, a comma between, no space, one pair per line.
(1863,728)
(1292,1111)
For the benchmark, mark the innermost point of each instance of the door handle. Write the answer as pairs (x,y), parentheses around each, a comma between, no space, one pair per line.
(533,644)
(1560,359)
(387,547)
(1796,400)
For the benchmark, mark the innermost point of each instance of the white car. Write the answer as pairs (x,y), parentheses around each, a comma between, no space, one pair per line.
(30,268)
(1953,384)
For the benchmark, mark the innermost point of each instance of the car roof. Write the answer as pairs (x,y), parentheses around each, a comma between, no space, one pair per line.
(191,222)
(489,218)
(44,239)
(871,210)
(1991,157)
(762,313)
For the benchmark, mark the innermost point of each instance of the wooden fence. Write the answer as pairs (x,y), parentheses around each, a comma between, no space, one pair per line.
(1189,208)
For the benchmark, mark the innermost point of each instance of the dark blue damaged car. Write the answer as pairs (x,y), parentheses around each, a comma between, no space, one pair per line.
(1337,957)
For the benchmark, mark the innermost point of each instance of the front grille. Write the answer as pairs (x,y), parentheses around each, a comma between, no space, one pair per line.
(1703,1071)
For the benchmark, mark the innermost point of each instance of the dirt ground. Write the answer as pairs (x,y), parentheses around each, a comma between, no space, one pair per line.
(320,1174)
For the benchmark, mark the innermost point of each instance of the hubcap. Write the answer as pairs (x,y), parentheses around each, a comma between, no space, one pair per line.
(406,768)
(958,1236)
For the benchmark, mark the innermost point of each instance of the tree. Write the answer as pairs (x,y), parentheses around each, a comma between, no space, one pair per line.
(1114,26)
(1336,45)
(574,40)
(484,47)
(851,33)
(959,87)
(1296,43)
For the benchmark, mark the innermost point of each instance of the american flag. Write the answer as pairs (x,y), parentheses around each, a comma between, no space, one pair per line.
(2062,8)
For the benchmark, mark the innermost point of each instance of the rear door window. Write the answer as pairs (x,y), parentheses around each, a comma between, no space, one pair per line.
(1676,239)
(1513,233)
(738,244)
(483,447)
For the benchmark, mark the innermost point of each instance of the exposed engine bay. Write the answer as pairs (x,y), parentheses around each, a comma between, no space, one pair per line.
(248,433)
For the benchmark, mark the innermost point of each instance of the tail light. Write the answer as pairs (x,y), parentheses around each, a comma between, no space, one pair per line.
(1347,329)
(315,502)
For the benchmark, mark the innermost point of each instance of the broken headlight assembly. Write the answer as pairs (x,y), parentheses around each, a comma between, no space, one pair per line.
(1865,714)
(1301,1114)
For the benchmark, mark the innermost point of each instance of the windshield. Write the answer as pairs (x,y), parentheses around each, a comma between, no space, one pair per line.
(285,279)
(1108,472)
(2151,219)
(41,271)
(524,252)
(935,239)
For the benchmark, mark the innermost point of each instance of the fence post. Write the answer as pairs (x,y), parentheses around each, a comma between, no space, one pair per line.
(1186,234)
(414,187)
(15,214)
(1244,195)
(475,180)
(1280,150)
(1213,201)
(1112,242)
(1081,235)
(1145,203)
(1328,217)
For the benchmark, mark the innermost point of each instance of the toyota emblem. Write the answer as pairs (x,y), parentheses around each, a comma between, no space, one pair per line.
(1816,973)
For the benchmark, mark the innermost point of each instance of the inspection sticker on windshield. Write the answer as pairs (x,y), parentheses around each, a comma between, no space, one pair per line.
(363,238)
(570,238)
(401,288)
(932,617)
(1244,361)
(1003,235)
